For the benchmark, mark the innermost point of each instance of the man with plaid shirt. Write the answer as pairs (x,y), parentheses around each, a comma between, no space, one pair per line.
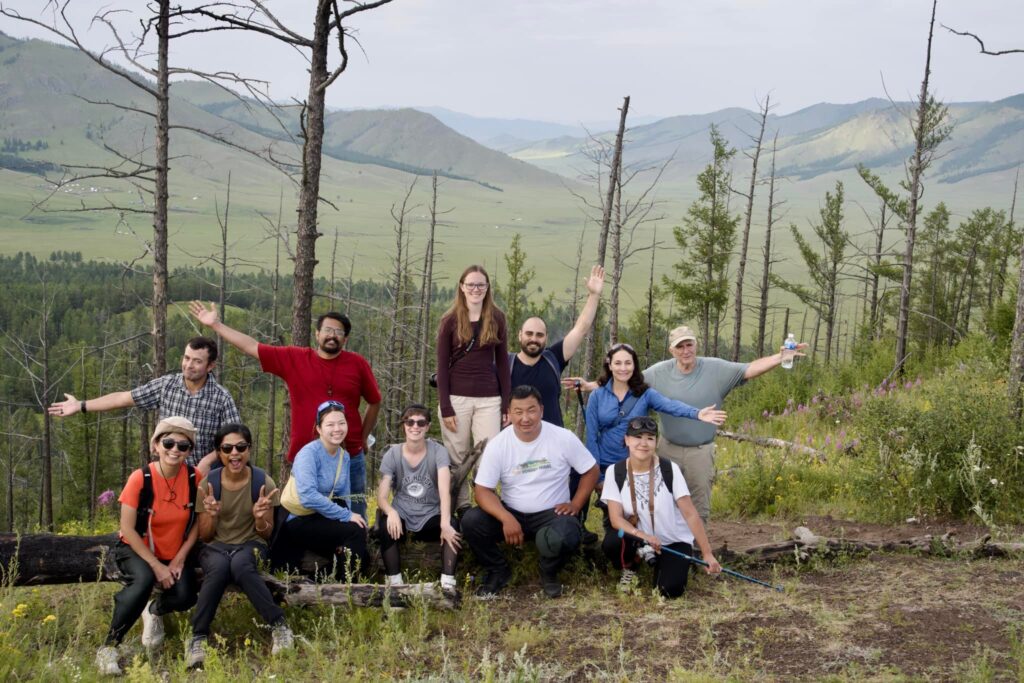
(192,393)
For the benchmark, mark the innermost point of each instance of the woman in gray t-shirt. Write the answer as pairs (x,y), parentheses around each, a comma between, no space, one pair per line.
(417,472)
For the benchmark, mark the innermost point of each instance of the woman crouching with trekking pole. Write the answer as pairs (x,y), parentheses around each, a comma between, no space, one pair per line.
(157,533)
(665,518)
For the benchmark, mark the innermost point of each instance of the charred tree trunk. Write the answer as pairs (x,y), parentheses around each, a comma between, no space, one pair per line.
(741,269)
(767,253)
(160,193)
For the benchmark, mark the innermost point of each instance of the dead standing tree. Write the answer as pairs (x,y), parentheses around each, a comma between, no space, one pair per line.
(741,268)
(330,25)
(930,129)
(766,253)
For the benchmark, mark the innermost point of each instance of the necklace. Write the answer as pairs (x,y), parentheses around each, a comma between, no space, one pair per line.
(172,494)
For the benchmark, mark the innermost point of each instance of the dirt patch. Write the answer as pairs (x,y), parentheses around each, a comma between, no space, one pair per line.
(739,536)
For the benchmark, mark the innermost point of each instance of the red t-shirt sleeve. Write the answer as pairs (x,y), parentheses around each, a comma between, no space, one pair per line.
(274,359)
(131,491)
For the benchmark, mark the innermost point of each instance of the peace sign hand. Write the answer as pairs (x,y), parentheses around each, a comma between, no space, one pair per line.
(263,504)
(211,505)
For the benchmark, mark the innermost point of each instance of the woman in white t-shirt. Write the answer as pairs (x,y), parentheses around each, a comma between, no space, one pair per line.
(666,518)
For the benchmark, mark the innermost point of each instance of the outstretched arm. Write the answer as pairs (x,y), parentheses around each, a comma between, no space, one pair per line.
(71,405)
(762,365)
(210,318)
(572,341)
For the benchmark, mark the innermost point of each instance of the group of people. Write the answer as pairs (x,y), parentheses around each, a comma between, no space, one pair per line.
(655,492)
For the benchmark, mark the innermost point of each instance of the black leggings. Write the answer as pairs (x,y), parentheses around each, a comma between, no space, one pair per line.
(224,564)
(670,570)
(140,581)
(431,531)
(330,538)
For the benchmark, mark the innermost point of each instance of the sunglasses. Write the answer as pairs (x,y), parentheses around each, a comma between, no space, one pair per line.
(227,448)
(328,405)
(643,424)
(619,347)
(421,422)
(183,446)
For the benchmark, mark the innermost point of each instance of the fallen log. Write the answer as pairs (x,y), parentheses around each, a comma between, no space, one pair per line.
(772,442)
(41,559)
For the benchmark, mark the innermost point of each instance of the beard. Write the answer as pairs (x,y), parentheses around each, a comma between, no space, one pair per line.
(330,345)
(533,350)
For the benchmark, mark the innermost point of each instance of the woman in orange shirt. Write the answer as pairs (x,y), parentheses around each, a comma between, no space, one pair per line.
(156,540)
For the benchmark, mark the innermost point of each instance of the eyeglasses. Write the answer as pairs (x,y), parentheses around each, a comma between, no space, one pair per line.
(643,425)
(421,422)
(183,446)
(241,447)
(333,331)
(328,405)
(475,286)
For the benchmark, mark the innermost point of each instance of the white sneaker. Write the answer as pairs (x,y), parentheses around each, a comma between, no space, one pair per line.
(106,661)
(395,580)
(196,654)
(152,627)
(282,639)
(628,581)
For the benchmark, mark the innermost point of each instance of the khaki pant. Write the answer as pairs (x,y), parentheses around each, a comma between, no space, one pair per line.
(478,418)
(698,466)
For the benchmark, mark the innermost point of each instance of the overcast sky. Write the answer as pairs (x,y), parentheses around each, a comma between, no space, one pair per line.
(573,60)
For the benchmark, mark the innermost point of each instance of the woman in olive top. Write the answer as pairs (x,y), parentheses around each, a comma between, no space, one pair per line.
(236,520)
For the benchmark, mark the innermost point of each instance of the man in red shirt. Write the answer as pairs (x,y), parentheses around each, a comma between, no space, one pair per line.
(313,376)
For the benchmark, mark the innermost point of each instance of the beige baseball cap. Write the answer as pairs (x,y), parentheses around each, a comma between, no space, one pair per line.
(180,425)
(680,334)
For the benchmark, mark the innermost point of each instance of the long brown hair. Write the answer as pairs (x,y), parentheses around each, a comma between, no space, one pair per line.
(489,313)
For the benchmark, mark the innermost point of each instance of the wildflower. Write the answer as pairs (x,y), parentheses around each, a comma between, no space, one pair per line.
(828,439)
(815,400)
(765,413)
(839,445)
(780,479)
(810,439)
(20,610)
(789,401)
(801,408)
(854,443)
(842,433)
(908,384)
(976,468)
(248,641)
(49,619)
(105,498)
(994,482)
(785,412)
(837,421)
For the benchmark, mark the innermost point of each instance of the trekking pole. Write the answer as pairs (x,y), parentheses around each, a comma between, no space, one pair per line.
(691,558)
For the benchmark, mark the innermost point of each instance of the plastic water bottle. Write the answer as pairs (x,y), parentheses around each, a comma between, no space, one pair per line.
(789,351)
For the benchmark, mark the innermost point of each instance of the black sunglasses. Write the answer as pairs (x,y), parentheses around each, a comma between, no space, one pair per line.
(241,447)
(183,446)
(643,425)
(421,422)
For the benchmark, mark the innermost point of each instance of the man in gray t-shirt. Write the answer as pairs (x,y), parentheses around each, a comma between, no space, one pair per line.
(700,382)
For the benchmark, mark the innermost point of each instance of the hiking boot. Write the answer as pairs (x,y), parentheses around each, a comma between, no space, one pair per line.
(493,583)
(152,627)
(628,581)
(106,661)
(196,654)
(550,583)
(282,639)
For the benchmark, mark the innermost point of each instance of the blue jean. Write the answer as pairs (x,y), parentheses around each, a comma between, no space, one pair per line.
(357,477)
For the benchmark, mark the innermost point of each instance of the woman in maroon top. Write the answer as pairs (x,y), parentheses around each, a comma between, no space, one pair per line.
(472,370)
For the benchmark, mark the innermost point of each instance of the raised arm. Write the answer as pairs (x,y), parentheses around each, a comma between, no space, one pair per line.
(571,342)
(71,405)
(762,365)
(210,318)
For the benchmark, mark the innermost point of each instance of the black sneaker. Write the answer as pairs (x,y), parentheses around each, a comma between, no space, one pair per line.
(588,537)
(493,583)
(552,586)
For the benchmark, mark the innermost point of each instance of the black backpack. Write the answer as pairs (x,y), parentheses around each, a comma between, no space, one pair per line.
(663,463)
(257,481)
(145,508)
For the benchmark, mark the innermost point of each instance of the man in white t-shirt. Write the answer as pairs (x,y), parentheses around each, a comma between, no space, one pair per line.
(531,462)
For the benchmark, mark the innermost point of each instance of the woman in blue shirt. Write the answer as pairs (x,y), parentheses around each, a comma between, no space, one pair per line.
(322,521)
(622,395)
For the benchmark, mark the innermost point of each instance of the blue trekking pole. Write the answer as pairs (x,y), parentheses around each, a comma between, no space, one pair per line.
(666,549)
